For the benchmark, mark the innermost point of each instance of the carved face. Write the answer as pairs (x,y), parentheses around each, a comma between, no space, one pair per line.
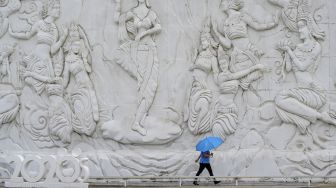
(204,43)
(231,4)
(144,1)
(74,34)
(224,65)
(303,30)
(3,3)
(75,47)
(224,6)
(54,11)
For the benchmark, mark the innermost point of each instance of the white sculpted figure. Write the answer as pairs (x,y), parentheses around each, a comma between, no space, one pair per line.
(7,7)
(77,34)
(47,44)
(82,95)
(137,30)
(39,73)
(301,105)
(200,100)
(9,103)
(235,36)
(61,118)
(225,115)
(5,73)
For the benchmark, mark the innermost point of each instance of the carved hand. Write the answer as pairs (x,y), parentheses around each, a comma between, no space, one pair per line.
(260,67)
(287,48)
(265,68)
(284,45)
(88,68)
(27,74)
(216,78)
(50,80)
(58,80)
(259,53)
(140,35)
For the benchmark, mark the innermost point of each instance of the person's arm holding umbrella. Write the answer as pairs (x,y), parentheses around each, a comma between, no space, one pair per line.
(198,158)
(207,154)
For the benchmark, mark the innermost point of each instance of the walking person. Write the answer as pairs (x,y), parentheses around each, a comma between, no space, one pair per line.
(204,159)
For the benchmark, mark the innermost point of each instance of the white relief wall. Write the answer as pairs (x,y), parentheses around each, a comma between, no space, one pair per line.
(134,84)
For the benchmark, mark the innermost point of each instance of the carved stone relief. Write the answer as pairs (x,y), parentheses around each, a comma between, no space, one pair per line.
(134,84)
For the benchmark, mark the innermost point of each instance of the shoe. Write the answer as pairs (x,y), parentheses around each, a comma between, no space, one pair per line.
(216,182)
(195,183)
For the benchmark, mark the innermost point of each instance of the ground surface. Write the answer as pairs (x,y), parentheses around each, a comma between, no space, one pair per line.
(228,186)
(316,186)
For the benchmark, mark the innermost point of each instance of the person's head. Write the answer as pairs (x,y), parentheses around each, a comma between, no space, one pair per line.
(231,4)
(223,60)
(144,1)
(205,41)
(208,43)
(75,47)
(306,24)
(304,31)
(51,8)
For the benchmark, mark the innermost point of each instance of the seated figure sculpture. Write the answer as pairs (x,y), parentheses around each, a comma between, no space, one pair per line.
(301,105)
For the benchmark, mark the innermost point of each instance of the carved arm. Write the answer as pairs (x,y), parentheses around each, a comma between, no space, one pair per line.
(303,65)
(56,46)
(66,75)
(215,69)
(260,26)
(25,35)
(39,77)
(156,29)
(224,41)
(280,3)
(240,74)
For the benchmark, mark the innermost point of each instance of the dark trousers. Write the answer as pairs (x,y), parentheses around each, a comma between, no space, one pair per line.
(201,168)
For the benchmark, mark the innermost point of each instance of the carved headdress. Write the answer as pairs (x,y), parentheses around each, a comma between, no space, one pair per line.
(147,3)
(304,14)
(76,33)
(49,4)
(206,35)
(234,4)
(299,10)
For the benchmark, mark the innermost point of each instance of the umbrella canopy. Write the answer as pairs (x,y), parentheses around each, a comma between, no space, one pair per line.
(209,143)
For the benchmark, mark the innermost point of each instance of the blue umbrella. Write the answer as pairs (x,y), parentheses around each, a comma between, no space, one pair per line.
(209,143)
